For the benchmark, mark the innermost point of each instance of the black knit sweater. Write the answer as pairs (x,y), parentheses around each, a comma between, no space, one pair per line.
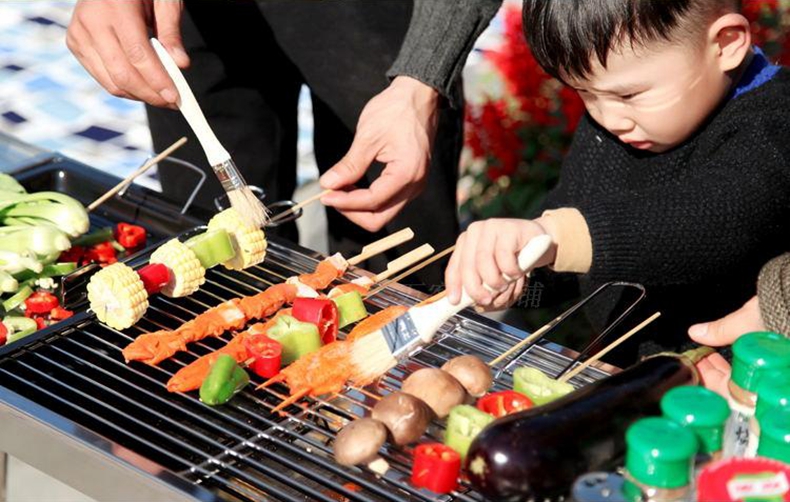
(694,224)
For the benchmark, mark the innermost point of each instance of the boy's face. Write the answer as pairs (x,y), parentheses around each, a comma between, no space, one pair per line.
(653,98)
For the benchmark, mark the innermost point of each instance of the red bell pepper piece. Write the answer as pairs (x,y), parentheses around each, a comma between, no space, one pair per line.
(154,277)
(41,322)
(74,254)
(3,334)
(130,236)
(321,312)
(503,403)
(59,314)
(436,467)
(103,254)
(267,355)
(40,302)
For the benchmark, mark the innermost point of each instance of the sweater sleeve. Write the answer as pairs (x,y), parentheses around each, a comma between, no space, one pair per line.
(440,36)
(773,290)
(725,214)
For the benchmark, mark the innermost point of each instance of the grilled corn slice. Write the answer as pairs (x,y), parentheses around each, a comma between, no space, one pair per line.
(186,272)
(117,296)
(249,242)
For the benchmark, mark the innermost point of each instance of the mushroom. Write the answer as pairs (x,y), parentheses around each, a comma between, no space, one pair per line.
(437,388)
(471,372)
(359,442)
(405,416)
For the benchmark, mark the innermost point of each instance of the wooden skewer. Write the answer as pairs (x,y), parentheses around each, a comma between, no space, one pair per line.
(273,380)
(382,245)
(148,164)
(297,207)
(291,400)
(523,343)
(403,262)
(410,271)
(578,369)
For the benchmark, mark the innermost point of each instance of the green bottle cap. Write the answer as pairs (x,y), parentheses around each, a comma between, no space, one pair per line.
(755,353)
(775,435)
(702,411)
(773,391)
(660,453)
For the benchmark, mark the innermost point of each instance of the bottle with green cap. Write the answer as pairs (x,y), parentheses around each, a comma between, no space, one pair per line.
(701,411)
(775,435)
(773,392)
(753,355)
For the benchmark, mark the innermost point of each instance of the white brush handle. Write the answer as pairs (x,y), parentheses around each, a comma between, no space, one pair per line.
(215,152)
(429,318)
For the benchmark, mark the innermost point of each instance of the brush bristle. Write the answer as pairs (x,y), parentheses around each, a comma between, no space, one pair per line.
(249,207)
(371,357)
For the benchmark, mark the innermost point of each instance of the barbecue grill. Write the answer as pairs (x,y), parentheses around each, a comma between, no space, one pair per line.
(70,406)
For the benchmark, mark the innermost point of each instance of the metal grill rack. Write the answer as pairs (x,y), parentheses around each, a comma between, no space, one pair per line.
(239,451)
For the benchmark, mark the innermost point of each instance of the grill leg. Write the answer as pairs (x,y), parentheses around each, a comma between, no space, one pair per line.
(3,475)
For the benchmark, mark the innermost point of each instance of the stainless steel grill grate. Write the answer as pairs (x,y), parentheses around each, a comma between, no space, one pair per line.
(239,451)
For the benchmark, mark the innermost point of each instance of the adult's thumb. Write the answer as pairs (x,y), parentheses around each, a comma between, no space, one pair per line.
(167,22)
(726,330)
(351,167)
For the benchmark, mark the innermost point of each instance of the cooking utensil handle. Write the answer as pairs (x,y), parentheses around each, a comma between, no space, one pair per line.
(190,109)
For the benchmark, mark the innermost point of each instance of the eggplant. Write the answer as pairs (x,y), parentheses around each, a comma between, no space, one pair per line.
(537,453)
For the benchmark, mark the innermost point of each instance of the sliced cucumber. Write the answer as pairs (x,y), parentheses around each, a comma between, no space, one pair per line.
(18,298)
(212,248)
(350,308)
(538,386)
(19,327)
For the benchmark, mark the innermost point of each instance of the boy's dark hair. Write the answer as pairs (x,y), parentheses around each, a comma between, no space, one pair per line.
(565,34)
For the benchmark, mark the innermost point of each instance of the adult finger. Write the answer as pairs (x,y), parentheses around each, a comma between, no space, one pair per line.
(382,190)
(452,274)
(715,373)
(489,272)
(472,283)
(726,330)
(353,165)
(78,42)
(509,296)
(167,26)
(373,221)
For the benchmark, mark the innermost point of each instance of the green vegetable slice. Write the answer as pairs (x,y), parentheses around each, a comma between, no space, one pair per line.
(350,308)
(463,425)
(18,298)
(225,379)
(102,235)
(19,327)
(297,338)
(212,248)
(538,386)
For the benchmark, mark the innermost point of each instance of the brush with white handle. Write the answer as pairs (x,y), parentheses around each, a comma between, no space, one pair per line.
(375,354)
(241,197)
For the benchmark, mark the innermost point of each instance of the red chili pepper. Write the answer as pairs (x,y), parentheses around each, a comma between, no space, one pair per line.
(267,354)
(41,322)
(40,302)
(436,467)
(130,236)
(154,277)
(102,253)
(3,334)
(59,313)
(321,312)
(503,403)
(74,254)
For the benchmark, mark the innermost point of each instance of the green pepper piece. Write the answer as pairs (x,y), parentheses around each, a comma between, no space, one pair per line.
(102,235)
(225,379)
(350,308)
(463,425)
(212,248)
(18,299)
(19,327)
(538,386)
(297,338)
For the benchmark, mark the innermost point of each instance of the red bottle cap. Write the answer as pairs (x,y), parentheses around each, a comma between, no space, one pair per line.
(737,479)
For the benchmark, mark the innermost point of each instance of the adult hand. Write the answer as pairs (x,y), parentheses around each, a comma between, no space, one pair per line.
(110,39)
(396,128)
(485,255)
(715,372)
(727,329)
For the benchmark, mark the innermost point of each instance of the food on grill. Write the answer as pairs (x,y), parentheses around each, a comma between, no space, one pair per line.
(436,467)
(350,306)
(130,236)
(186,272)
(437,388)
(504,403)
(266,355)
(117,295)
(537,453)
(359,442)
(321,312)
(249,243)
(471,372)
(405,416)
(538,386)
(463,425)
(297,338)
(211,248)
(325,272)
(225,379)
(361,285)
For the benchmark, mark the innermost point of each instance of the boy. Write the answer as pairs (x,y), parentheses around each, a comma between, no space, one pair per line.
(678,176)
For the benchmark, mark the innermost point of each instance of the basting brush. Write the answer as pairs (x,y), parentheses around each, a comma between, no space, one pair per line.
(375,354)
(241,197)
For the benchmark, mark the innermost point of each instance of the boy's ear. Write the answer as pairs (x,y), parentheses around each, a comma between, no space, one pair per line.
(732,40)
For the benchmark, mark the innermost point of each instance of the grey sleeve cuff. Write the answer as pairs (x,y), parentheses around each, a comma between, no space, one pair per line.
(440,36)
(773,291)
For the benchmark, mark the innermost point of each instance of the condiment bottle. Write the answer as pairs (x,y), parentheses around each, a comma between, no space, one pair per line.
(704,413)
(744,479)
(775,435)
(753,355)
(773,391)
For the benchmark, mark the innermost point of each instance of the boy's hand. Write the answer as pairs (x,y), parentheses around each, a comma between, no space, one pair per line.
(486,255)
